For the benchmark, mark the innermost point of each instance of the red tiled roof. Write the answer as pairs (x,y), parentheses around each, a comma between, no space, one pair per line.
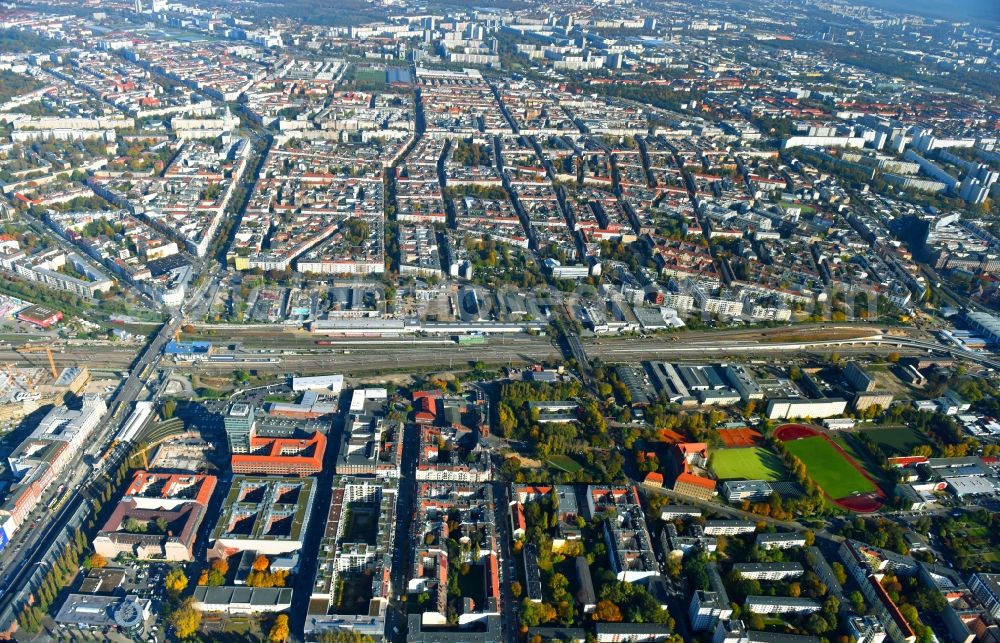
(905,461)
(295,455)
(692,447)
(172,484)
(891,607)
(494,577)
(698,481)
(532,490)
(669,435)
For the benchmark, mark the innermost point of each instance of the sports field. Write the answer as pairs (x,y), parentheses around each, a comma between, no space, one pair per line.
(753,463)
(565,463)
(897,441)
(741,437)
(835,475)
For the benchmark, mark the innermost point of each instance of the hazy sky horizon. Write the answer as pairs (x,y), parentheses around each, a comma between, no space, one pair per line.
(982,11)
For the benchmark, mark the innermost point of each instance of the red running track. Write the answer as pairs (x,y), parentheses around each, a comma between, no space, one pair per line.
(868,503)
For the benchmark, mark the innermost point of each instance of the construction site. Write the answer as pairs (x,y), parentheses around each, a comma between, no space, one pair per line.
(25,389)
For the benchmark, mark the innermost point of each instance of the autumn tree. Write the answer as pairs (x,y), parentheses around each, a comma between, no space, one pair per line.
(342,636)
(258,578)
(534,614)
(636,604)
(96,561)
(176,581)
(261,563)
(508,422)
(220,565)
(216,574)
(279,631)
(186,619)
(607,612)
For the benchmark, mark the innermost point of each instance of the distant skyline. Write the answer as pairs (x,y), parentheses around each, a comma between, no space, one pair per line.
(986,12)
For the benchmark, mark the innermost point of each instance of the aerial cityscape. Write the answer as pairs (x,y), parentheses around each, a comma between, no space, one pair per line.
(613,321)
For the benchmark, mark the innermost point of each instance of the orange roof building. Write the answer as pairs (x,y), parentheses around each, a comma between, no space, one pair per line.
(177,500)
(282,456)
(653,479)
(184,487)
(689,484)
(425,406)
(688,453)
(518,523)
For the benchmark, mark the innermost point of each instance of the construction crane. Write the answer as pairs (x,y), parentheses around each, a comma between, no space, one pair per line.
(37,348)
(177,332)
(9,372)
(32,348)
(143,454)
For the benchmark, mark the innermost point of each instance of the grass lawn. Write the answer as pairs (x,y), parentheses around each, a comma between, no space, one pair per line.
(805,207)
(238,625)
(564,463)
(828,468)
(897,441)
(774,621)
(236,628)
(751,463)
(848,442)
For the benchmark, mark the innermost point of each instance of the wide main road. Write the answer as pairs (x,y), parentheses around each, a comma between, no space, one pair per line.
(37,547)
